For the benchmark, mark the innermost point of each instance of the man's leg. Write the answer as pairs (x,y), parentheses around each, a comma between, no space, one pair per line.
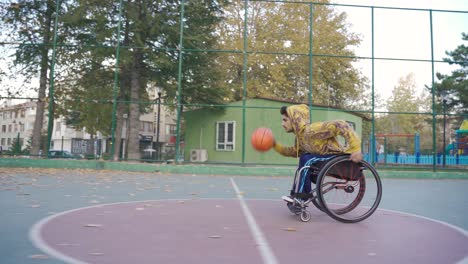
(305,184)
(298,182)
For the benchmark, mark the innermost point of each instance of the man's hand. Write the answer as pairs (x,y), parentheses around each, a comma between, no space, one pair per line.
(356,157)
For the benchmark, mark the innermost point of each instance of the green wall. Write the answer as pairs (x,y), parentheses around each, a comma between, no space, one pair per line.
(200,130)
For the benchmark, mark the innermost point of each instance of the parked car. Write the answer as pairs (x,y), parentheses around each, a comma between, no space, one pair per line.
(63,154)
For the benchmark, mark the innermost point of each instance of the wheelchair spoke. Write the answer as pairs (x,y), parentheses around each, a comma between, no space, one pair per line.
(347,193)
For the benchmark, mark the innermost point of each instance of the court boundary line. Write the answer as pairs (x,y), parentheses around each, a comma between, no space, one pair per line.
(38,242)
(265,251)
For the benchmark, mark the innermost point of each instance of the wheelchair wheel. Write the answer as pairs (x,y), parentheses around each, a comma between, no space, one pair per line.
(348,192)
(305,216)
(317,204)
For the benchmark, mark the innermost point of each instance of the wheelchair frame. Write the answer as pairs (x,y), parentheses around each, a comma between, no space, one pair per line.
(317,196)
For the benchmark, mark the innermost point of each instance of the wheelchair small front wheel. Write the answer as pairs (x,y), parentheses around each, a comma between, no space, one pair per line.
(305,216)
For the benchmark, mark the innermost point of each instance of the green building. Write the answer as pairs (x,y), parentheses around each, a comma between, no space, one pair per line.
(222,135)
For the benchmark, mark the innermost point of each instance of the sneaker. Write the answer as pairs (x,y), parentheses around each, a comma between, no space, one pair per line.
(288,199)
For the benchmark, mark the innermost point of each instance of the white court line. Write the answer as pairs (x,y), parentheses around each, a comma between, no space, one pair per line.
(265,250)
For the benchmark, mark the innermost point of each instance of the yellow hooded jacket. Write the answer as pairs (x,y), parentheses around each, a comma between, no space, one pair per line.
(318,137)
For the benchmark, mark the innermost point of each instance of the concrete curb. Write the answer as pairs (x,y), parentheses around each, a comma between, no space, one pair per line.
(207,169)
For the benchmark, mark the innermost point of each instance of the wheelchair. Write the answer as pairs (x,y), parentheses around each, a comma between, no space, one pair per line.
(346,191)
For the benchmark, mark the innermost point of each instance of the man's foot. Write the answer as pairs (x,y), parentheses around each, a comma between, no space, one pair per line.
(288,199)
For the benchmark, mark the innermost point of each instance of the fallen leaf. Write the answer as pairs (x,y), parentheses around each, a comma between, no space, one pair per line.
(68,244)
(96,254)
(93,225)
(291,229)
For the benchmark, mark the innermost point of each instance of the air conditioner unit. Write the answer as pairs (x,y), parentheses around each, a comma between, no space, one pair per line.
(198,155)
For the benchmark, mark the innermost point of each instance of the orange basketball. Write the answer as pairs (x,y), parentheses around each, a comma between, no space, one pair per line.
(262,139)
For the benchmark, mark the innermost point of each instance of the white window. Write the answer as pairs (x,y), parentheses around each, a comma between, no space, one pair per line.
(225,135)
(171,129)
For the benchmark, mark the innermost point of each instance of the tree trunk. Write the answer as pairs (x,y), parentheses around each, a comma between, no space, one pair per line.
(118,130)
(91,147)
(134,109)
(39,121)
(123,95)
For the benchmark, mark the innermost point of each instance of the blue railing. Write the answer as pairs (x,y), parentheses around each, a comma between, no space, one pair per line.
(418,159)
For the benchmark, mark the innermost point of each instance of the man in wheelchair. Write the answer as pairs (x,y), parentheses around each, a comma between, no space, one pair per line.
(315,143)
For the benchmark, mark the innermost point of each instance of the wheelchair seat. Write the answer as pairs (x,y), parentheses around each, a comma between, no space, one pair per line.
(345,170)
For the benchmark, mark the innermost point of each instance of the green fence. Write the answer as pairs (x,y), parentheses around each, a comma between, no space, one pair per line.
(121,80)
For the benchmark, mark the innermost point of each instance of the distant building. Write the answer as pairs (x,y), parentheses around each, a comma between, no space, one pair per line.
(14,120)
(223,135)
(19,119)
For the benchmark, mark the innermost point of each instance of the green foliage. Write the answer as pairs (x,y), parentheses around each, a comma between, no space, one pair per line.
(31,24)
(403,105)
(16,147)
(284,28)
(148,57)
(454,86)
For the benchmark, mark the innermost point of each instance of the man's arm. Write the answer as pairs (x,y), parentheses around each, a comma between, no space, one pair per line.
(285,151)
(342,128)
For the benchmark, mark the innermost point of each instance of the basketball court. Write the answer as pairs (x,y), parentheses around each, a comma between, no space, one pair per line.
(81,216)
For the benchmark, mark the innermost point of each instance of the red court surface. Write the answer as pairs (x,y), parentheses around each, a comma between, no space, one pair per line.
(241,231)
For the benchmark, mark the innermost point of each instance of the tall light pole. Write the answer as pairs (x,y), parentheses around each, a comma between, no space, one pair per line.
(158,150)
(444,102)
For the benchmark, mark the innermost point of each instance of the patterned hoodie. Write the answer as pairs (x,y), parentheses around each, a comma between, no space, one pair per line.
(319,137)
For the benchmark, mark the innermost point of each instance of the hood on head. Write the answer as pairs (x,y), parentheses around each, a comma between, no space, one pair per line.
(299,115)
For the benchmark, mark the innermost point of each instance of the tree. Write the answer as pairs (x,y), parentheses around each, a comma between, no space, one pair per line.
(455,85)
(275,28)
(31,23)
(149,57)
(403,105)
(16,146)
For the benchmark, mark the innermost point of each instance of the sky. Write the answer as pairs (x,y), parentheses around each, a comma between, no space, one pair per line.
(406,34)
